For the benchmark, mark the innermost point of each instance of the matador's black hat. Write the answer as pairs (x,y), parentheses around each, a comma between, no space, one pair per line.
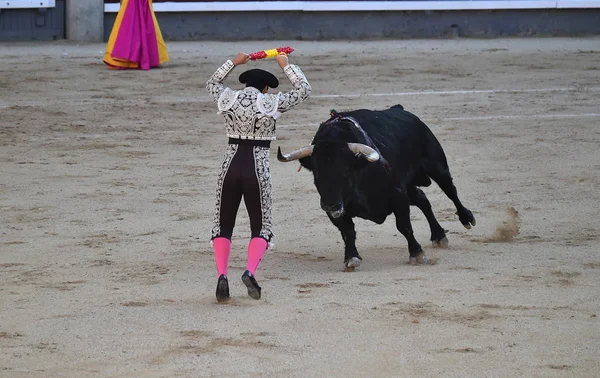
(258,79)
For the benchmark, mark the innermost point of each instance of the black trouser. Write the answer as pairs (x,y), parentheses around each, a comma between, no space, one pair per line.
(243,179)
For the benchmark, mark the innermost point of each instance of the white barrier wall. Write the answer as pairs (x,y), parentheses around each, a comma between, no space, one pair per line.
(22,4)
(112,6)
(89,20)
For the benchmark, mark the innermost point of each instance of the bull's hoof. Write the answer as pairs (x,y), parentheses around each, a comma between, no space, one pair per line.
(351,264)
(466,218)
(442,243)
(421,260)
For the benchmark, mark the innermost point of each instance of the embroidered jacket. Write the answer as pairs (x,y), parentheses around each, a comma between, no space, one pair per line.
(250,114)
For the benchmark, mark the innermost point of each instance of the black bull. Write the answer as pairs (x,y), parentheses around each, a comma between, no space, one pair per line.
(369,164)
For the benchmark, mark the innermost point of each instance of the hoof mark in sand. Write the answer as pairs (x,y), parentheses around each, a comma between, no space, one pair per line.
(135,304)
(305,256)
(461,350)
(312,284)
(592,265)
(463,268)
(427,310)
(10,265)
(497,306)
(195,333)
(102,262)
(8,335)
(200,342)
(256,334)
(275,277)
(13,243)
(50,347)
(63,286)
(559,273)
(559,367)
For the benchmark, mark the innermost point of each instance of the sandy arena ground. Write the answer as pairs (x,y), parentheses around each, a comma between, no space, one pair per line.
(106,198)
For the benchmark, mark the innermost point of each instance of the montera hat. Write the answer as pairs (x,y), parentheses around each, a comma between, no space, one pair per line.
(258,79)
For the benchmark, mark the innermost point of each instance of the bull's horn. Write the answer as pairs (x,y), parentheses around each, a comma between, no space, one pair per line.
(370,154)
(294,155)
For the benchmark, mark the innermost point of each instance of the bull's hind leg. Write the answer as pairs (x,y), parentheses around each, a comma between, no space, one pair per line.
(419,199)
(443,178)
(402,214)
(346,226)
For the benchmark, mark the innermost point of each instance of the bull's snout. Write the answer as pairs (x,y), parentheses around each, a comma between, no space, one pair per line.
(335,211)
(330,208)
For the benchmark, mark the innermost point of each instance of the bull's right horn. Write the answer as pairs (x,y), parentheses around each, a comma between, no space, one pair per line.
(294,155)
(369,153)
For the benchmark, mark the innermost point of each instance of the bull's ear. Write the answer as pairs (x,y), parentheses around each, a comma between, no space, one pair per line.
(306,162)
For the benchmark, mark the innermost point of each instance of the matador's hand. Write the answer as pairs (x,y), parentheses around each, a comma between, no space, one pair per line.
(241,58)
(282,59)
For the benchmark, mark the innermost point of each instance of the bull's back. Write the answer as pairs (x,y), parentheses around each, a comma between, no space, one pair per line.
(392,122)
(395,131)
(403,139)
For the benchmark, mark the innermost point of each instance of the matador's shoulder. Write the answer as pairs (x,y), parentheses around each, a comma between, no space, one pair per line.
(267,104)
(227,99)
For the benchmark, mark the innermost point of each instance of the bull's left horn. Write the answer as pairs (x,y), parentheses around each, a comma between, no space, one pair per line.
(370,154)
(294,155)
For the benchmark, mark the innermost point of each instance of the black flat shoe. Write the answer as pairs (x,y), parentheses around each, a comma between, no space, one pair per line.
(250,282)
(222,289)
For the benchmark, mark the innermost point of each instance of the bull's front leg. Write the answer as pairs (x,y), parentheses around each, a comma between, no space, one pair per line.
(403,224)
(346,226)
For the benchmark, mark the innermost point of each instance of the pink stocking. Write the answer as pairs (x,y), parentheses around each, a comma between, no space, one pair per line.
(256,251)
(222,247)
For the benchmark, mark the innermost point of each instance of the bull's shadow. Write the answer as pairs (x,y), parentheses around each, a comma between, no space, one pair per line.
(369,164)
